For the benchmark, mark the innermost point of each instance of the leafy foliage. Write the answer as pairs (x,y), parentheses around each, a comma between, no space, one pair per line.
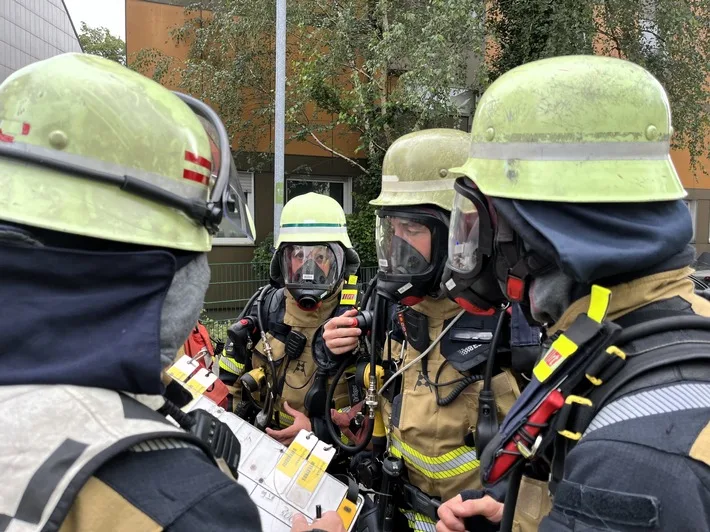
(373,68)
(99,41)
(263,253)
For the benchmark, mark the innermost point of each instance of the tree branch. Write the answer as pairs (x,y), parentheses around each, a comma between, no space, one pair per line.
(651,32)
(331,150)
(612,36)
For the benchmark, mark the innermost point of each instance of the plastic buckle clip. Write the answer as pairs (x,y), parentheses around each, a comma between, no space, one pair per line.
(604,367)
(570,400)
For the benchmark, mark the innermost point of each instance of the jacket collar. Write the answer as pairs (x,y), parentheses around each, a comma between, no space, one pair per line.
(297,317)
(632,295)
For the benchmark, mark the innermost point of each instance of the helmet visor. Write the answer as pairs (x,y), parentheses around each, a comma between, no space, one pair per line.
(464,235)
(237,221)
(404,245)
(316,266)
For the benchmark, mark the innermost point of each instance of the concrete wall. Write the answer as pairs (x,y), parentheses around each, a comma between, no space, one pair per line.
(31,30)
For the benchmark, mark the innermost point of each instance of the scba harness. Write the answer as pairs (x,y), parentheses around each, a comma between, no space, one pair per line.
(580,374)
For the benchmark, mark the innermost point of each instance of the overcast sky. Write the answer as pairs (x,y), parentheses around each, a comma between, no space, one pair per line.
(110,14)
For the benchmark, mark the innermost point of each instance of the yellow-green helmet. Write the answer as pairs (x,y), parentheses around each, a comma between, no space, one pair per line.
(92,148)
(415,170)
(574,129)
(313,217)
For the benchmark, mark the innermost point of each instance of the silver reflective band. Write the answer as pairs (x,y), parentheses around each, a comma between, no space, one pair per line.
(675,398)
(573,151)
(418,186)
(316,230)
(419,522)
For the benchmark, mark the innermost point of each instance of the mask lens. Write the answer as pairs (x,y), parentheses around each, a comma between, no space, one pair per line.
(403,245)
(464,233)
(312,265)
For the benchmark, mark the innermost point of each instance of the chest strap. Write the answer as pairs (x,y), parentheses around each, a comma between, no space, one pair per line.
(598,395)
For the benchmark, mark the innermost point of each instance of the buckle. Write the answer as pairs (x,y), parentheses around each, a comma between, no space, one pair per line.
(528,452)
(565,412)
(515,287)
(603,367)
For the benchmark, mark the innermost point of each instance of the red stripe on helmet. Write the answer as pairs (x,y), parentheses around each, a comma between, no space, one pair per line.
(195,176)
(198,159)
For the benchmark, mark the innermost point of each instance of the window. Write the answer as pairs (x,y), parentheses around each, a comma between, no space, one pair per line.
(226,235)
(649,29)
(693,208)
(338,188)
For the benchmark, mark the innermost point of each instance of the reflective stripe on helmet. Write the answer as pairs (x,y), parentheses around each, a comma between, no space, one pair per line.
(572,151)
(297,229)
(395,185)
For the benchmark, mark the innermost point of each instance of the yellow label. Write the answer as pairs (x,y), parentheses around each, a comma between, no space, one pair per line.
(292,459)
(559,351)
(177,373)
(311,474)
(348,296)
(352,279)
(182,369)
(346,511)
(196,386)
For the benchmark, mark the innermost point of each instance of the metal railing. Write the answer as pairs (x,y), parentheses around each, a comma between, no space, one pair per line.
(231,286)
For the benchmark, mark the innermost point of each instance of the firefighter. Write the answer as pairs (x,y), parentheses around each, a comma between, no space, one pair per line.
(571,185)
(107,210)
(431,413)
(313,263)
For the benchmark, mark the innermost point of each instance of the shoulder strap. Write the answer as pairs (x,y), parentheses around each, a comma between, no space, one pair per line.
(578,416)
(272,313)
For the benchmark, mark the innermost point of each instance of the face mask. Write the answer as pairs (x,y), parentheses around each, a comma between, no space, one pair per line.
(312,272)
(469,276)
(410,250)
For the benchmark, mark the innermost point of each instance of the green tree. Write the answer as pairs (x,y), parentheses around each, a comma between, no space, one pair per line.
(668,37)
(99,41)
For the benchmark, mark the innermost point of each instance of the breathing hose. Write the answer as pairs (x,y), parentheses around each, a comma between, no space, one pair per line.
(371,397)
(249,303)
(263,417)
(425,353)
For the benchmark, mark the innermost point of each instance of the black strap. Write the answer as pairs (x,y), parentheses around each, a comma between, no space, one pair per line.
(576,418)
(420,502)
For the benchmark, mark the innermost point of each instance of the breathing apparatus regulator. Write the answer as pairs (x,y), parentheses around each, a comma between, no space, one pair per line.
(368,373)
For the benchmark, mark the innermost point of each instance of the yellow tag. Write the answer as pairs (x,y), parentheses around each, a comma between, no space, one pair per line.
(200,381)
(292,459)
(352,279)
(559,351)
(182,369)
(312,473)
(346,511)
(599,303)
(348,296)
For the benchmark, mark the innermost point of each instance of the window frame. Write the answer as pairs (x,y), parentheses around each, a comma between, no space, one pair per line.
(692,205)
(347,182)
(239,241)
